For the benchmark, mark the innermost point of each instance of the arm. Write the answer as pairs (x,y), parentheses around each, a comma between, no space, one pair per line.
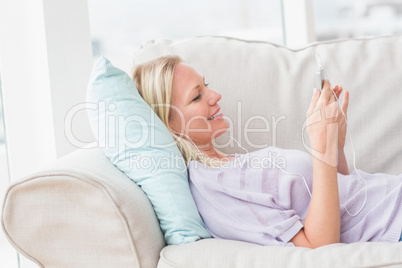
(322,224)
(342,128)
(342,163)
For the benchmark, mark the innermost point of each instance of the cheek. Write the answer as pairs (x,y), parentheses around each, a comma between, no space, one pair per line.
(188,121)
(198,122)
(177,120)
(219,127)
(174,118)
(196,119)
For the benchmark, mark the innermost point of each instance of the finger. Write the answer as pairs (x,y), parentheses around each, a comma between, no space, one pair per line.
(338,92)
(333,92)
(345,103)
(314,99)
(326,93)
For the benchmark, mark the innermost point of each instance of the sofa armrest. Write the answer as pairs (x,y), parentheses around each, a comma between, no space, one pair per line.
(81,211)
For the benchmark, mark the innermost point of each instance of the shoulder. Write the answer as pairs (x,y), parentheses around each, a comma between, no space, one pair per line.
(194,164)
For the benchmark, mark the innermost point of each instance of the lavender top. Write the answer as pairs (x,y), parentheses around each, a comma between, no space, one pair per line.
(251,199)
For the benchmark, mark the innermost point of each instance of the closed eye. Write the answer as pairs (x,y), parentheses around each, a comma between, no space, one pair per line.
(197,98)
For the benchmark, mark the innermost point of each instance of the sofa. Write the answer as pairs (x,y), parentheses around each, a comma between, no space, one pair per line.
(81,211)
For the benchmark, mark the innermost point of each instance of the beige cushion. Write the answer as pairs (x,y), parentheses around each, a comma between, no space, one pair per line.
(269,87)
(219,253)
(82,212)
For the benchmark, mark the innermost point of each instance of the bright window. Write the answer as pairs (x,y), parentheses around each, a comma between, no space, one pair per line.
(117,27)
(9,255)
(345,19)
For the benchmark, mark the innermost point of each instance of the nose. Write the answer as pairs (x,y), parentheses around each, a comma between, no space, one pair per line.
(214,97)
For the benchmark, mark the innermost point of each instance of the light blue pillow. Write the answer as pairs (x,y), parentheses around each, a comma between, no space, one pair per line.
(137,142)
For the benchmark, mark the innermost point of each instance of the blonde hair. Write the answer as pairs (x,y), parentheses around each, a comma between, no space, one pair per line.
(154,81)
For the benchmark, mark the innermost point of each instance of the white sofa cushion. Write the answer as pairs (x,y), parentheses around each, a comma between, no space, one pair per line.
(269,87)
(218,253)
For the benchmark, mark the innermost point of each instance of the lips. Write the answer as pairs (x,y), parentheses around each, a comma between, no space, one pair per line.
(214,114)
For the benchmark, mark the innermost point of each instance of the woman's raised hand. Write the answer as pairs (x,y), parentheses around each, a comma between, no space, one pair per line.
(342,118)
(326,125)
(322,223)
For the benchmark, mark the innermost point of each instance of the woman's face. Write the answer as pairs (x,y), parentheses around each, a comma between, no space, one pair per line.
(195,110)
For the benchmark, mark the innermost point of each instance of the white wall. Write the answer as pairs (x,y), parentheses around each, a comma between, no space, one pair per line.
(298,22)
(46,57)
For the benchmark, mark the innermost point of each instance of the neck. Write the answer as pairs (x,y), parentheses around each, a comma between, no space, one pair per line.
(211,152)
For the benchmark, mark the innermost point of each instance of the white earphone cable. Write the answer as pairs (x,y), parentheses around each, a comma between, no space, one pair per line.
(354,155)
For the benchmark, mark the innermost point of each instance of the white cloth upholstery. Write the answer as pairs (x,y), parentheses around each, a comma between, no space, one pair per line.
(83,212)
(225,253)
(265,86)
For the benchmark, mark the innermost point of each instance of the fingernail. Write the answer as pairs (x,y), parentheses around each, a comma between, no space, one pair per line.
(315,91)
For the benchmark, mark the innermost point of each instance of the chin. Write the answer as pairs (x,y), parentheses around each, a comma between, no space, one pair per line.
(221,130)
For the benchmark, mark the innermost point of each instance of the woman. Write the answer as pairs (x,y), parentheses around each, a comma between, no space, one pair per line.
(281,209)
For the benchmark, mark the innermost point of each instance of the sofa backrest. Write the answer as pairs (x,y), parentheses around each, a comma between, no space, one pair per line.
(266,90)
